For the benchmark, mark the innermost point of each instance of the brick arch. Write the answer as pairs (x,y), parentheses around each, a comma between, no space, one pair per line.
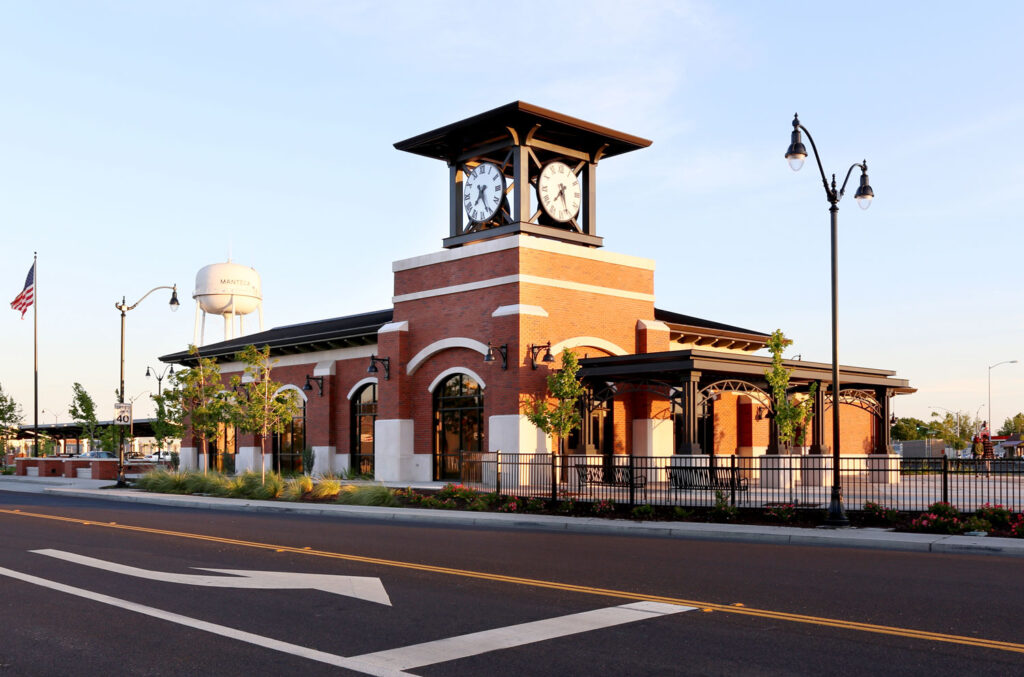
(444,344)
(590,341)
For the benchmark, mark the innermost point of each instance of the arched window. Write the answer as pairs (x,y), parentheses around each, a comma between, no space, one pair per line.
(458,424)
(288,445)
(364,415)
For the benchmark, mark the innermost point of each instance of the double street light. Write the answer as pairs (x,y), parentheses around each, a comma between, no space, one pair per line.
(796,154)
(124,308)
(991,418)
(168,370)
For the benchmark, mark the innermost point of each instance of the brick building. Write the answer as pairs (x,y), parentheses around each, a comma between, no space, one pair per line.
(408,393)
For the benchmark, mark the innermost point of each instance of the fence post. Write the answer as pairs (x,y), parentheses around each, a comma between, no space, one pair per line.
(945,479)
(732,481)
(554,483)
(497,472)
(632,482)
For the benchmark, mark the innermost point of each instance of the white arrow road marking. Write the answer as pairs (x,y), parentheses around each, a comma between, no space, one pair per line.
(396,661)
(476,643)
(360,587)
(222,630)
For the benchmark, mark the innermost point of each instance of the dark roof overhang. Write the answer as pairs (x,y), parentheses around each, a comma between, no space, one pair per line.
(339,332)
(458,139)
(670,366)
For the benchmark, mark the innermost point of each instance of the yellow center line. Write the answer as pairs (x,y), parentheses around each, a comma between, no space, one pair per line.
(553,585)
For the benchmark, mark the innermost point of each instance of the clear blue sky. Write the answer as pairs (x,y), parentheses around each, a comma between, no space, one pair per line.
(140,141)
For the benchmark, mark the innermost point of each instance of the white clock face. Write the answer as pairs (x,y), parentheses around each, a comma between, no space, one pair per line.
(483,191)
(559,192)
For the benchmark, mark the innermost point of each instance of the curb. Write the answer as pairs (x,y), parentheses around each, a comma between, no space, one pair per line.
(879,539)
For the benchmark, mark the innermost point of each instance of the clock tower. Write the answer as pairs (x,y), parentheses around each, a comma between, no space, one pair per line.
(524,169)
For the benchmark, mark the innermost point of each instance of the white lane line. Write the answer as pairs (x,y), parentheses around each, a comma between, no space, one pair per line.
(232,633)
(442,650)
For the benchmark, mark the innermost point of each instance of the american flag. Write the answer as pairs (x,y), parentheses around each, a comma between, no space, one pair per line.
(28,294)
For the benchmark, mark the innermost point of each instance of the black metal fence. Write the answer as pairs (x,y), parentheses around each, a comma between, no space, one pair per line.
(754,482)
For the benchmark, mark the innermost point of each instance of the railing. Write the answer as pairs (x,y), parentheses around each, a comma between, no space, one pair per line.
(760,481)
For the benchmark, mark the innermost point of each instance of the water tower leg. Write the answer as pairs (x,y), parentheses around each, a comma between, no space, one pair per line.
(227,327)
(259,307)
(196,335)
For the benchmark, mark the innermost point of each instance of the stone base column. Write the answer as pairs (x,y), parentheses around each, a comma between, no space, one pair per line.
(514,434)
(188,459)
(394,460)
(323,460)
(248,459)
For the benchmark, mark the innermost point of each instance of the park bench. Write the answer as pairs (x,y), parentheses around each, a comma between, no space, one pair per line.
(705,478)
(597,474)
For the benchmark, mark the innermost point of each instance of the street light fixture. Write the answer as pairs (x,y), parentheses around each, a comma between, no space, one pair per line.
(991,420)
(124,308)
(796,154)
(168,371)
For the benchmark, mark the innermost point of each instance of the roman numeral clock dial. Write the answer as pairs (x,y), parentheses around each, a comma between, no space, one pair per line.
(483,192)
(559,192)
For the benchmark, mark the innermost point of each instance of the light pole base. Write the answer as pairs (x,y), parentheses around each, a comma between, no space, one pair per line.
(836,514)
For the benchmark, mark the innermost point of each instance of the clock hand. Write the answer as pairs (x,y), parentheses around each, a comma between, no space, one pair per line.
(480,194)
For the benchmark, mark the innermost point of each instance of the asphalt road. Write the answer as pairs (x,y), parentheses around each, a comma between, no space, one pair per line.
(546,603)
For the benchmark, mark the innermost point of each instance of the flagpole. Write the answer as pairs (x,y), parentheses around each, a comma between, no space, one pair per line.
(35,347)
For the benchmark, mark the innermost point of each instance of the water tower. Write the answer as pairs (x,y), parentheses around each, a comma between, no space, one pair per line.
(227,289)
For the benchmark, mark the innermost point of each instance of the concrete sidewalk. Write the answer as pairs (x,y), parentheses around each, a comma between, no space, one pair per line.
(852,537)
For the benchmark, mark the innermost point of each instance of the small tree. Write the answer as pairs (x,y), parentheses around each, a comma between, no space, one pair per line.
(562,417)
(109,437)
(169,416)
(1013,426)
(83,412)
(791,416)
(197,392)
(10,419)
(262,407)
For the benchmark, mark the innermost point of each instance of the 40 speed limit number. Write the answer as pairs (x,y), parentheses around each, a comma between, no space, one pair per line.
(122,413)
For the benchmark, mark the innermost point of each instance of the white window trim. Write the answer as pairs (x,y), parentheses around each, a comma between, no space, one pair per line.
(359,384)
(456,370)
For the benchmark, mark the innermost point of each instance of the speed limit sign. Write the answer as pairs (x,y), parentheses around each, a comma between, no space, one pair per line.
(122,413)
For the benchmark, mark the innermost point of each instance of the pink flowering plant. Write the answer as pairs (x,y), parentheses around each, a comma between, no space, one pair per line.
(878,514)
(996,515)
(940,518)
(603,508)
(512,505)
(783,514)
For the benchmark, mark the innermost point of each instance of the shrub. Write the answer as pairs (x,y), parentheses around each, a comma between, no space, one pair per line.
(975,523)
(308,458)
(478,504)
(163,482)
(603,508)
(457,491)
(941,518)
(875,513)
(721,511)
(681,513)
(783,514)
(296,488)
(251,485)
(642,512)
(371,494)
(325,488)
(566,507)
(511,504)
(202,483)
(1017,526)
(175,459)
(996,515)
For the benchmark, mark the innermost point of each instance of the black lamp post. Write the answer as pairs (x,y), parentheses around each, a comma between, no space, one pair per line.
(796,154)
(169,369)
(124,308)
